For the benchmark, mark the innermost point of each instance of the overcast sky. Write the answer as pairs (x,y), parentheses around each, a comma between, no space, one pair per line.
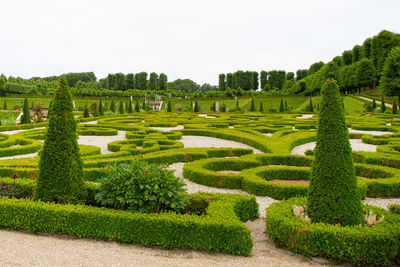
(183,38)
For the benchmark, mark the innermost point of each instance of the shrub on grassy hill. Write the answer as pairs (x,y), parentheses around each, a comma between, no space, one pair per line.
(60,165)
(333,194)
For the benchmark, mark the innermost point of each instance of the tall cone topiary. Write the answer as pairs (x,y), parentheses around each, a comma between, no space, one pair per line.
(169,106)
(383,105)
(253,105)
(130,109)
(394,107)
(333,195)
(310,106)
(26,114)
(60,166)
(137,106)
(281,108)
(121,107)
(101,108)
(261,106)
(112,106)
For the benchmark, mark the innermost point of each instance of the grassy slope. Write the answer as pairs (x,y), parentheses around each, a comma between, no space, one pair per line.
(350,104)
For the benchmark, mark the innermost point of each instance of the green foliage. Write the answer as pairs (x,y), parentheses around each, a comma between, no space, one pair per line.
(169,105)
(94,109)
(390,80)
(253,105)
(86,113)
(383,105)
(142,187)
(228,92)
(60,165)
(373,104)
(26,115)
(196,107)
(137,106)
(281,107)
(310,106)
(221,82)
(5,105)
(333,194)
(112,106)
(213,106)
(121,107)
(130,109)
(358,245)
(394,108)
(261,107)
(237,108)
(163,82)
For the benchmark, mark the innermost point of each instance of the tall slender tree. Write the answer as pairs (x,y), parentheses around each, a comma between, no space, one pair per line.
(26,114)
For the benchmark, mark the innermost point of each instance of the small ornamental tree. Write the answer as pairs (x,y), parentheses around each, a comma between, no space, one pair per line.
(253,105)
(281,108)
(137,106)
(196,106)
(169,106)
(5,105)
(390,80)
(333,195)
(60,166)
(261,107)
(213,106)
(383,105)
(373,105)
(126,106)
(86,113)
(394,107)
(228,92)
(310,106)
(144,104)
(112,106)
(237,108)
(26,114)
(101,108)
(94,109)
(121,107)
(130,110)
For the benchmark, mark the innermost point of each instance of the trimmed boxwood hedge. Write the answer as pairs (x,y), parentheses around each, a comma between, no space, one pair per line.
(358,245)
(220,230)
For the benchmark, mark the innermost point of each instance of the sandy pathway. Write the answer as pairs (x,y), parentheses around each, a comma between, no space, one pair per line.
(369,132)
(205,141)
(101,141)
(167,129)
(356,145)
(377,101)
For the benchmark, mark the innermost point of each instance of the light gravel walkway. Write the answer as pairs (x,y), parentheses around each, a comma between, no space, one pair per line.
(356,145)
(17,131)
(101,141)
(190,141)
(167,129)
(305,116)
(369,132)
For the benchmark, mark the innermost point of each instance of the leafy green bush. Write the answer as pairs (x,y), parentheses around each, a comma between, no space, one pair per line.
(143,187)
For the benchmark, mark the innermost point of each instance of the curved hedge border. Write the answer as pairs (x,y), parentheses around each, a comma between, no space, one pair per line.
(220,230)
(359,245)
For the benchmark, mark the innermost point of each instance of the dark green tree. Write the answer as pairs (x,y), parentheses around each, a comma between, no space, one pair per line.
(163,81)
(281,107)
(101,108)
(5,105)
(228,92)
(263,79)
(130,110)
(252,106)
(365,73)
(261,106)
(383,105)
(373,104)
(310,106)
(357,53)
(347,57)
(112,106)
(394,107)
(169,105)
(255,80)
(153,81)
(121,107)
(333,196)
(120,82)
(60,166)
(237,108)
(137,106)
(221,82)
(390,80)
(229,80)
(196,107)
(26,114)
(130,81)
(141,80)
(86,112)
(94,109)
(111,81)
(213,106)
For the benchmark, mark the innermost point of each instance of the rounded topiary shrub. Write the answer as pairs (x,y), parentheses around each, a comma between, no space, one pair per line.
(333,196)
(142,187)
(60,165)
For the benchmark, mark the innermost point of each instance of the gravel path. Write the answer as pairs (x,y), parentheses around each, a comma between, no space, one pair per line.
(369,132)
(356,145)
(205,141)
(167,129)
(305,116)
(101,141)
(17,131)
(377,101)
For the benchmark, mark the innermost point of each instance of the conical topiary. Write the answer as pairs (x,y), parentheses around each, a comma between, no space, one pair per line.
(5,105)
(137,106)
(169,106)
(121,107)
(333,195)
(373,105)
(383,105)
(310,106)
(394,107)
(130,110)
(26,114)
(261,107)
(252,106)
(60,167)
(237,108)
(86,112)
(112,106)
(196,106)
(281,108)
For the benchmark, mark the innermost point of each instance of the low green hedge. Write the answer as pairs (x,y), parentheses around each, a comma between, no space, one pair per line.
(358,245)
(20,146)
(220,230)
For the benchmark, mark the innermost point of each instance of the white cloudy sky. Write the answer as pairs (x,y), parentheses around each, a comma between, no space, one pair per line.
(183,38)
